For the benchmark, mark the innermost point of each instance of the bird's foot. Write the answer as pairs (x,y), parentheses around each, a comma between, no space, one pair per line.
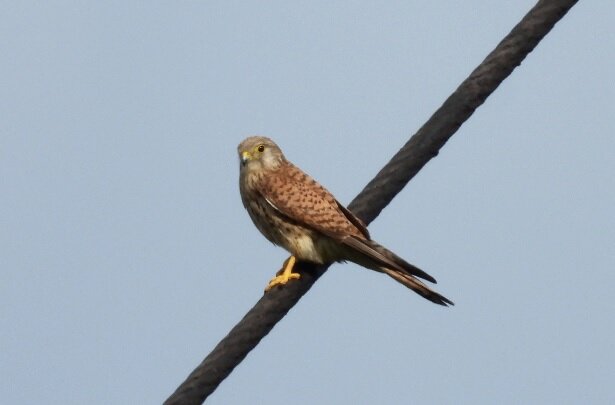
(284,275)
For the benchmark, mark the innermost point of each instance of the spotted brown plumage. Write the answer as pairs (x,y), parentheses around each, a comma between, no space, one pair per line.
(293,211)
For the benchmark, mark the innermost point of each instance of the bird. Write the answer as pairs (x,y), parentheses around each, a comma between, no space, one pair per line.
(295,212)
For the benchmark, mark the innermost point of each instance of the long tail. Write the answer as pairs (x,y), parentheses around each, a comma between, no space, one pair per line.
(376,257)
(379,256)
(417,286)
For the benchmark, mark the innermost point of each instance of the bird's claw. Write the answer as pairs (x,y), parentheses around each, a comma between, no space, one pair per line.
(281,280)
(284,275)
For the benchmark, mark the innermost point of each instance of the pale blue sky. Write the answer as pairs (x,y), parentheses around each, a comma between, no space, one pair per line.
(126,255)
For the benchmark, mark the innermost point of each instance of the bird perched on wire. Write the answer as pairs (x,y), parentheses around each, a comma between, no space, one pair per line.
(293,211)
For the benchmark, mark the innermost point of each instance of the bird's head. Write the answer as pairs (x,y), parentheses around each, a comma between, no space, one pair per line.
(259,152)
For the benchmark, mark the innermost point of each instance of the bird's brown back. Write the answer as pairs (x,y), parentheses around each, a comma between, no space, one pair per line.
(300,197)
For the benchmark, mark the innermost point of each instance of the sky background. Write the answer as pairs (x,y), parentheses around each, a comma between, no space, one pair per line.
(126,255)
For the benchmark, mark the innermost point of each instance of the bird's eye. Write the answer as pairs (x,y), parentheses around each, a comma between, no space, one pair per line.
(260,148)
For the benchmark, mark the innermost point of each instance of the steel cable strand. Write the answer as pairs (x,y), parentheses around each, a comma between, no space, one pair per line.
(422,147)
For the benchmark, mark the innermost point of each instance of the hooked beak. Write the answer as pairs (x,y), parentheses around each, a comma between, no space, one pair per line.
(245,156)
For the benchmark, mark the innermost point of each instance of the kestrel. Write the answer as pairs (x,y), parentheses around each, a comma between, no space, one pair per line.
(293,211)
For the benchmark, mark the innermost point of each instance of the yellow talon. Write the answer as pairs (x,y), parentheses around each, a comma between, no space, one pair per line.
(284,275)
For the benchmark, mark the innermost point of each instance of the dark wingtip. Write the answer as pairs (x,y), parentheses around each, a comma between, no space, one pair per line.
(419,273)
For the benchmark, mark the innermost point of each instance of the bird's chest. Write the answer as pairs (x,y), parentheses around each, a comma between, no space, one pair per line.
(303,243)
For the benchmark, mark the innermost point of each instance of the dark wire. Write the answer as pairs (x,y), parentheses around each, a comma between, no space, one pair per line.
(421,148)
